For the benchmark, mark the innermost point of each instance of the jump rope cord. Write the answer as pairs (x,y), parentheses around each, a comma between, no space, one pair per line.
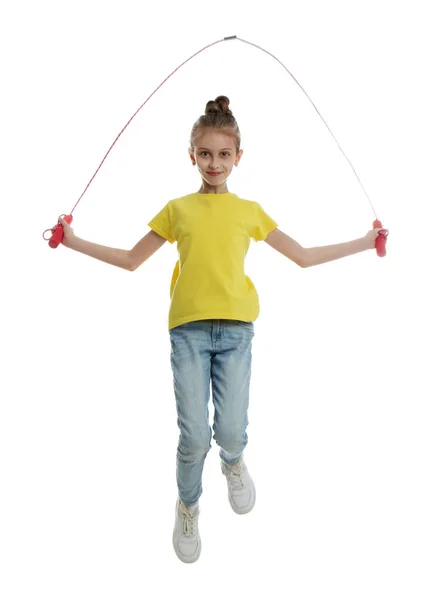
(181,65)
(310,100)
(130,120)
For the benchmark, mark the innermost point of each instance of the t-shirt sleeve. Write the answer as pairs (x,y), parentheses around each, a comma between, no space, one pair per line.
(162,224)
(261,224)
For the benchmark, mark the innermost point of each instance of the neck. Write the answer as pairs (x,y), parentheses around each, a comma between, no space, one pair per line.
(213,189)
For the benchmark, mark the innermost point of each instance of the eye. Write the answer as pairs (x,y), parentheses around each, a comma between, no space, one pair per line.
(228,153)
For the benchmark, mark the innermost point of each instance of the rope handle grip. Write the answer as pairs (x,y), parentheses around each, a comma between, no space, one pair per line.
(57,232)
(381,240)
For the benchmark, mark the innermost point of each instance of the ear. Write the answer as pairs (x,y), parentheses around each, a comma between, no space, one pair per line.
(238,157)
(193,158)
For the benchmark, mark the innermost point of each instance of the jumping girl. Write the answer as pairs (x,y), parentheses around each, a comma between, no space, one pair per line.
(212,311)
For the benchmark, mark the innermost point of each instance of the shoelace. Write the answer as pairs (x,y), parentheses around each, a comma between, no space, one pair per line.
(236,476)
(189,521)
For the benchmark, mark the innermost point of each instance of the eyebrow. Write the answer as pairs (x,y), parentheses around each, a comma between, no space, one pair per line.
(201,148)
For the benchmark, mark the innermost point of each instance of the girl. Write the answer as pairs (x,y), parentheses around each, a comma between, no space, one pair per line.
(212,311)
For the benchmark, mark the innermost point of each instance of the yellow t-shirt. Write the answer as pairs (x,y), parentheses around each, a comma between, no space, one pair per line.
(213,234)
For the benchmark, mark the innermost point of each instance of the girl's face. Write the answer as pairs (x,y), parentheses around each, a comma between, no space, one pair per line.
(215,156)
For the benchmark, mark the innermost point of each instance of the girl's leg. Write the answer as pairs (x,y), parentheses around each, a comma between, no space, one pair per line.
(231,376)
(190,360)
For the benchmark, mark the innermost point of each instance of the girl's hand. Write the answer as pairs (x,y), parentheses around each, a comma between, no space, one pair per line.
(68,233)
(370,237)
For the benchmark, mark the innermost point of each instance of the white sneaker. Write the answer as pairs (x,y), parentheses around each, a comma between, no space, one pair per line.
(186,537)
(241,489)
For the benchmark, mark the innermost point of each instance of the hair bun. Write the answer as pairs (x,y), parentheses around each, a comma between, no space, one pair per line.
(219,105)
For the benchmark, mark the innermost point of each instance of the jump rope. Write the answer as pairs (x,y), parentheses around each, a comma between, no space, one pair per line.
(57,232)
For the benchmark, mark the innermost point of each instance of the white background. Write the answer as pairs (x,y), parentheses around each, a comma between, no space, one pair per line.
(339,416)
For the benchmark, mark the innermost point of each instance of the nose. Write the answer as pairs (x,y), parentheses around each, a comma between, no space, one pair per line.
(213,164)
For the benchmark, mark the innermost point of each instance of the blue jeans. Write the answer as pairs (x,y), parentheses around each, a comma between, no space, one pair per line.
(217,350)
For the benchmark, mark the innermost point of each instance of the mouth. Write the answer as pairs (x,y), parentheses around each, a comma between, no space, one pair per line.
(213,174)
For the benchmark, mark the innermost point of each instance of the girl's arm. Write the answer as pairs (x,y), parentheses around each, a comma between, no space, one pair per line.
(309,257)
(125,259)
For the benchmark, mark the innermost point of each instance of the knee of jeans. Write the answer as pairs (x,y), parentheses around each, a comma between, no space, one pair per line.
(230,441)
(193,446)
